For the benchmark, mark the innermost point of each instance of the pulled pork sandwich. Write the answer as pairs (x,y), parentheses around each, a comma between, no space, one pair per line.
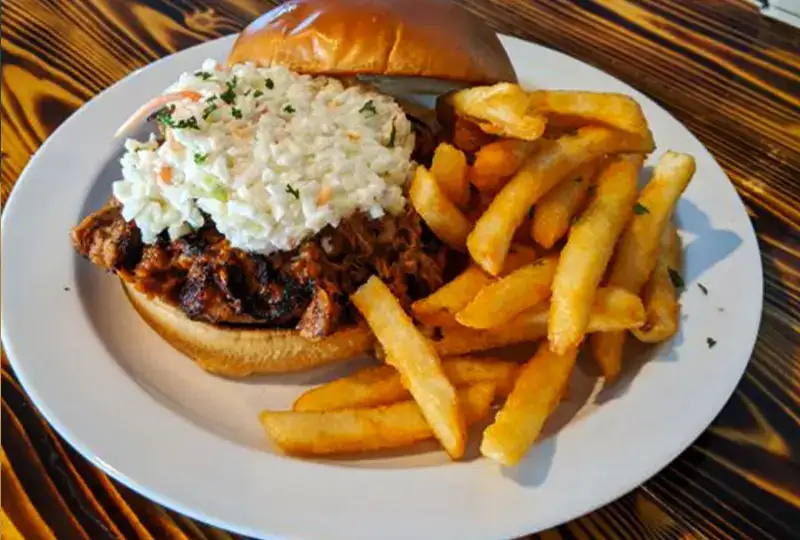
(276,184)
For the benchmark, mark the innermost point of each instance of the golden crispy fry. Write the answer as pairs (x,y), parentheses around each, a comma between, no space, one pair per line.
(440,308)
(614,309)
(554,213)
(363,430)
(506,298)
(575,109)
(638,247)
(467,136)
(660,296)
(440,214)
(449,168)
(489,240)
(382,385)
(538,389)
(589,247)
(416,360)
(501,109)
(496,162)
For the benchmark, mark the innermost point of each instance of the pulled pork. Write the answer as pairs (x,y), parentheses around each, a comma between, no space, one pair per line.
(307,288)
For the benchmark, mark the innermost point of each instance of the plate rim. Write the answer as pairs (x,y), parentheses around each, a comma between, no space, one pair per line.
(557,517)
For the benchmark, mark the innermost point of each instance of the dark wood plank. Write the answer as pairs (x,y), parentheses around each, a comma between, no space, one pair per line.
(732,76)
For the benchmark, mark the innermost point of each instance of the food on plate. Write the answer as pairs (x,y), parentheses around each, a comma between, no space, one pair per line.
(363,430)
(449,168)
(276,184)
(501,109)
(382,385)
(575,109)
(415,357)
(553,162)
(438,212)
(497,161)
(537,391)
(638,247)
(660,293)
(588,250)
(440,308)
(614,309)
(499,302)
(555,212)
(289,212)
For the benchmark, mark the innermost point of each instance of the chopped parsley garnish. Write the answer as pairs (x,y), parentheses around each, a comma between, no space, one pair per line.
(200,158)
(289,109)
(575,219)
(258,94)
(292,191)
(249,90)
(164,116)
(229,95)
(711,342)
(236,113)
(211,99)
(675,277)
(703,288)
(269,84)
(531,211)
(209,109)
(205,75)
(369,106)
(392,137)
(640,209)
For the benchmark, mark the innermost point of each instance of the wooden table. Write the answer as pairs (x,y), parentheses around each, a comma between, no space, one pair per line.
(732,76)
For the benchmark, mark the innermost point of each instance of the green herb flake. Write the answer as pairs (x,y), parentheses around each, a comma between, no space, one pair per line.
(392,136)
(229,95)
(188,123)
(711,342)
(200,158)
(640,209)
(702,288)
(578,179)
(675,277)
(209,109)
(205,75)
(369,107)
(269,84)
(249,91)
(292,191)
(289,109)
(531,212)
(236,113)
(164,115)
(258,94)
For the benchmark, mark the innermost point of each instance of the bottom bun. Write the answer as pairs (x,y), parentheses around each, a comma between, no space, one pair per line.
(238,352)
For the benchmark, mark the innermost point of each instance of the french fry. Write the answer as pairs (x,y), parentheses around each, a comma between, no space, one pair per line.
(499,302)
(489,240)
(496,162)
(417,361)
(638,247)
(660,295)
(554,212)
(440,308)
(588,249)
(449,168)
(381,385)
(537,391)
(575,109)
(500,109)
(439,213)
(614,309)
(467,136)
(363,430)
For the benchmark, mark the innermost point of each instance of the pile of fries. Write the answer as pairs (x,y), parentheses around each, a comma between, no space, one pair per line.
(540,189)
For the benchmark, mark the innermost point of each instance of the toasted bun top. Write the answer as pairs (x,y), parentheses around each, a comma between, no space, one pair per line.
(411,38)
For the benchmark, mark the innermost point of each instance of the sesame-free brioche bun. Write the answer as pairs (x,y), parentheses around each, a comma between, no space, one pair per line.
(240,351)
(434,39)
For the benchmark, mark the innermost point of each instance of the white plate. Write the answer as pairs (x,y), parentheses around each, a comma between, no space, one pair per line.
(191,441)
